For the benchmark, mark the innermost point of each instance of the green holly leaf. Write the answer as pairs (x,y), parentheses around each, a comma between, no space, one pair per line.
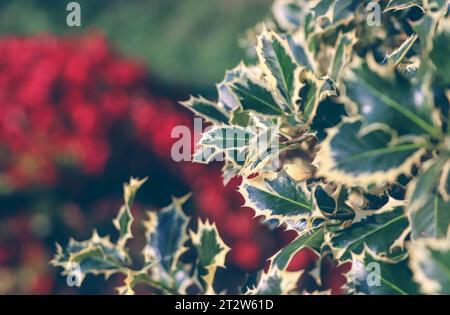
(334,207)
(264,151)
(312,92)
(124,218)
(256,97)
(275,282)
(233,141)
(398,55)
(342,55)
(395,5)
(428,212)
(97,256)
(381,232)
(211,252)
(166,234)
(279,198)
(210,111)
(366,155)
(313,239)
(430,264)
(279,66)
(377,277)
(402,106)
(227,99)
(227,138)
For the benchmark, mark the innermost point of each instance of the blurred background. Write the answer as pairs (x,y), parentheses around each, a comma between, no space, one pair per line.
(84,108)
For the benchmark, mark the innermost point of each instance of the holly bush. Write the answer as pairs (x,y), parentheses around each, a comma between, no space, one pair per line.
(351,99)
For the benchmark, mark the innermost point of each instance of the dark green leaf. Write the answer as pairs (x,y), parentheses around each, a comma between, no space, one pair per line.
(256,97)
(379,232)
(206,109)
(280,198)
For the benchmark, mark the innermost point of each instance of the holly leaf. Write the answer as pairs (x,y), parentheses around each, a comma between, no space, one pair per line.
(233,141)
(398,55)
(210,111)
(342,55)
(211,253)
(227,99)
(255,97)
(402,106)
(227,138)
(395,5)
(279,66)
(378,277)
(430,264)
(275,282)
(366,155)
(312,92)
(97,256)
(334,207)
(279,198)
(381,233)
(428,212)
(124,218)
(166,234)
(313,239)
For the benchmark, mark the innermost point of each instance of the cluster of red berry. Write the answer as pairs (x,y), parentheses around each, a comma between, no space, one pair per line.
(59,99)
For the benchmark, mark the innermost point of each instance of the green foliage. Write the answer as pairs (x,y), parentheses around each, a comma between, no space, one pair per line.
(167,239)
(371,183)
(370,186)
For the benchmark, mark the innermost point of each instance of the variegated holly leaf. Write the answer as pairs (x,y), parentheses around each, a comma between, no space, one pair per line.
(275,282)
(334,207)
(303,55)
(381,232)
(342,55)
(227,138)
(227,99)
(312,92)
(264,151)
(124,218)
(399,54)
(378,277)
(279,66)
(313,239)
(402,106)
(133,279)
(395,5)
(210,111)
(354,154)
(166,234)
(97,256)
(279,198)
(255,97)
(430,263)
(428,212)
(211,253)
(233,141)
